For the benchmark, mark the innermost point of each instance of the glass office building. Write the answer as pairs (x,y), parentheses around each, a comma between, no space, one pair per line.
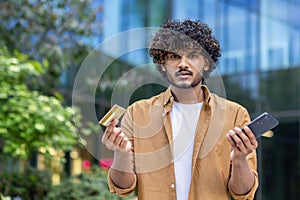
(260,67)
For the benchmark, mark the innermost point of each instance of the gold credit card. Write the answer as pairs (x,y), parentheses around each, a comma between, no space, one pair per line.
(114,113)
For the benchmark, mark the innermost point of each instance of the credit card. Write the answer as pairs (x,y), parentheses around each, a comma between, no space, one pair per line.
(114,113)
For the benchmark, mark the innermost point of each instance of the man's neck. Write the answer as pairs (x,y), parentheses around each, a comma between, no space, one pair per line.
(188,95)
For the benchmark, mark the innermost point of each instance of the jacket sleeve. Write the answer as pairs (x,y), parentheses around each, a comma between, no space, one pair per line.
(120,191)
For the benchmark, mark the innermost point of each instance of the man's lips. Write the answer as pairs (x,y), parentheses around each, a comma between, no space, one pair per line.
(184,73)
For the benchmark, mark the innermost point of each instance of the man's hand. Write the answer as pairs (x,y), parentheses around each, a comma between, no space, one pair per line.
(242,143)
(114,139)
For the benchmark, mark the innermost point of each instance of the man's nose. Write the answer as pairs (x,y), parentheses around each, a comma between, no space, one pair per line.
(183,63)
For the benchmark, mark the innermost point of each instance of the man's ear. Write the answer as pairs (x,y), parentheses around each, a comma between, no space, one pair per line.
(163,68)
(206,65)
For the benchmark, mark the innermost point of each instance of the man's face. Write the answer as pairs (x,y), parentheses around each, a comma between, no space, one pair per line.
(185,69)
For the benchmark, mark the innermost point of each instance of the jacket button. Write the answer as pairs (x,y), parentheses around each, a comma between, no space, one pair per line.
(172,186)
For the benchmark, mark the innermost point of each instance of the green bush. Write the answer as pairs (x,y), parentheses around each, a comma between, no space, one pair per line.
(31,185)
(92,186)
(36,185)
(30,120)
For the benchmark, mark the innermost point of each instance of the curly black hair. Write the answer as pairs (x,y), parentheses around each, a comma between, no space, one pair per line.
(174,35)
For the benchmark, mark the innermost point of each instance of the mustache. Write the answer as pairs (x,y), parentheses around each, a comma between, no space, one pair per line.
(181,71)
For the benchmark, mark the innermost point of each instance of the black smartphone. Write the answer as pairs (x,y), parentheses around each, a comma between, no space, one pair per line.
(262,124)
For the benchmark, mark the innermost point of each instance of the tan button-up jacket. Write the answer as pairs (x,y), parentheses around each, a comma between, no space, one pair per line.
(147,123)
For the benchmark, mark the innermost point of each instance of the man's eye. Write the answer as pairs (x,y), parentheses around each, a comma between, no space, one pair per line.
(193,55)
(173,56)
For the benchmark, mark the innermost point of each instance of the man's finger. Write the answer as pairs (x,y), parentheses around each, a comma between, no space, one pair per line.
(230,139)
(251,136)
(243,137)
(237,139)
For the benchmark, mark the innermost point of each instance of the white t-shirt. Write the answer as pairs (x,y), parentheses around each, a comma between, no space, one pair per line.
(184,118)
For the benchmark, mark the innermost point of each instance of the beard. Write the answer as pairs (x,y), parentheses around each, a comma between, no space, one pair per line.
(183,84)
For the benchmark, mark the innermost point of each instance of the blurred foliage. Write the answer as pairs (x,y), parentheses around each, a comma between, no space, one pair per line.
(32,184)
(36,185)
(56,33)
(90,186)
(28,119)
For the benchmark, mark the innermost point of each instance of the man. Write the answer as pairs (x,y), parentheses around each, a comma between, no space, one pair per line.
(185,143)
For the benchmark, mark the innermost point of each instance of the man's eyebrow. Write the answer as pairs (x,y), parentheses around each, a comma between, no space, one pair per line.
(195,51)
(173,53)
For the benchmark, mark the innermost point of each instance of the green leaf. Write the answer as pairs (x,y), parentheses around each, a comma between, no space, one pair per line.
(37,66)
